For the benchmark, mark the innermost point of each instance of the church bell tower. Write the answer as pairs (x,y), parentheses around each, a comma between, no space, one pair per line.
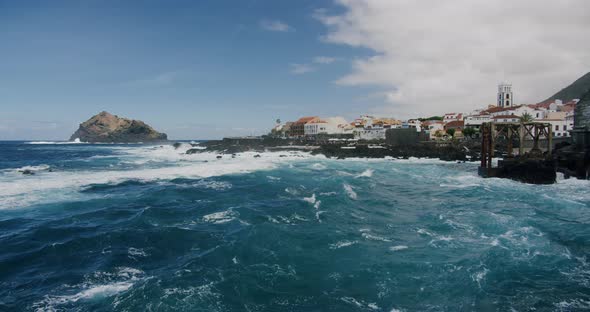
(505,98)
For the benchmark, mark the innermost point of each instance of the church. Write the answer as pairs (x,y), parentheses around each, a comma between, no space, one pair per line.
(505,98)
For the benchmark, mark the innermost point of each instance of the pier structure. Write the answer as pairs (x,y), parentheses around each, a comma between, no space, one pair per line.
(511,132)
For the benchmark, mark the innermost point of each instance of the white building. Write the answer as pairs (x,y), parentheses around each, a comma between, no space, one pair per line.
(415,124)
(558,126)
(475,121)
(452,117)
(569,123)
(364,121)
(536,113)
(330,125)
(505,97)
(435,127)
(506,118)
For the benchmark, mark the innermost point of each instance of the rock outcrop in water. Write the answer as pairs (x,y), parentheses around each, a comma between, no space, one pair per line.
(526,170)
(106,128)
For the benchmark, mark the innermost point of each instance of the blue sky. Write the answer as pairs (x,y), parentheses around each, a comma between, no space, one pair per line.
(205,69)
(193,69)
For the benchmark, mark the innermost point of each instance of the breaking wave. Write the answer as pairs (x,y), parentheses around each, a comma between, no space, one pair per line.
(349,191)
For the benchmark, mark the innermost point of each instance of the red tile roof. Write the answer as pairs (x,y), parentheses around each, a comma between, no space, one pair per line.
(544,104)
(492,110)
(455,124)
(304,120)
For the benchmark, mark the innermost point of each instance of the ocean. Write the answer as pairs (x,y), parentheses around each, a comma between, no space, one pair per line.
(148,228)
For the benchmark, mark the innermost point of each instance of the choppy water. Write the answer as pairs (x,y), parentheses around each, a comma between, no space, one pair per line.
(145,228)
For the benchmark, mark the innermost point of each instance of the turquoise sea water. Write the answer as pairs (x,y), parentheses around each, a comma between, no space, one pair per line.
(146,228)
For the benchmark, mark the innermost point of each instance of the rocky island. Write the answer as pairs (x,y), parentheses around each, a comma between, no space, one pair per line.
(108,128)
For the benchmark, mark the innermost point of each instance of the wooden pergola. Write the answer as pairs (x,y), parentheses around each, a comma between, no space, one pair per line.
(490,132)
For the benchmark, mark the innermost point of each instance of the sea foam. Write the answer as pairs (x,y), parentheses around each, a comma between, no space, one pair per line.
(19,190)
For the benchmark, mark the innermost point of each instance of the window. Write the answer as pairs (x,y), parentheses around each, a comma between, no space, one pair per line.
(507,103)
(507,96)
(556,127)
(564,128)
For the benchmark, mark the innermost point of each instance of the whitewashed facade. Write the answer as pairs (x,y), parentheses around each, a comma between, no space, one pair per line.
(452,117)
(369,134)
(433,128)
(331,125)
(475,121)
(506,118)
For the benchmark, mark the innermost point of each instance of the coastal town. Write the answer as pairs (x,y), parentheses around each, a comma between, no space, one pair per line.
(526,142)
(450,126)
(534,142)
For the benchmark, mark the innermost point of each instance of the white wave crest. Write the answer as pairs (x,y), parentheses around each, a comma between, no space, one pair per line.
(360,304)
(310,199)
(398,247)
(292,191)
(375,237)
(349,191)
(318,214)
(366,174)
(37,168)
(342,244)
(100,285)
(317,204)
(76,141)
(479,276)
(136,252)
(221,217)
(572,305)
(95,292)
(318,166)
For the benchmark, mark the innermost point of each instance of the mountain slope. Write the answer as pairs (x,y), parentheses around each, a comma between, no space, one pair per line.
(574,91)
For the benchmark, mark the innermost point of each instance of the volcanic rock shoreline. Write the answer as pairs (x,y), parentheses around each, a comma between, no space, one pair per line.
(522,169)
(450,151)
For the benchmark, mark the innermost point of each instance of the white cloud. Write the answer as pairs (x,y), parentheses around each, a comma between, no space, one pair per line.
(434,56)
(324,60)
(299,69)
(275,26)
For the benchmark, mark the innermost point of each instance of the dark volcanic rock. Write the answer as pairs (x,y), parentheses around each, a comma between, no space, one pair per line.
(448,152)
(194,151)
(253,144)
(533,171)
(107,128)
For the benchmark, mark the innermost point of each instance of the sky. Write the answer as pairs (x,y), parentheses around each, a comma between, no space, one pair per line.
(213,68)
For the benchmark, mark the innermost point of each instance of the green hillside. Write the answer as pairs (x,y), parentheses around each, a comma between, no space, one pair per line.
(574,91)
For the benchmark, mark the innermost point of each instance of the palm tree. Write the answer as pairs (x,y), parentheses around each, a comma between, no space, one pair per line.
(468,132)
(526,117)
(451,132)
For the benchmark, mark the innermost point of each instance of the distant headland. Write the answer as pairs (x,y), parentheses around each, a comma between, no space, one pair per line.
(108,128)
